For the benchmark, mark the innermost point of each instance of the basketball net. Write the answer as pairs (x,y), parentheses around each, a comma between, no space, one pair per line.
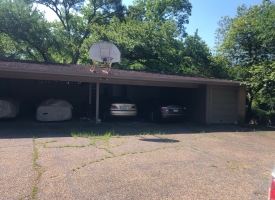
(106,61)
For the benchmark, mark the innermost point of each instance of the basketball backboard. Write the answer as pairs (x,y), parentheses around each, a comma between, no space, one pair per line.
(100,51)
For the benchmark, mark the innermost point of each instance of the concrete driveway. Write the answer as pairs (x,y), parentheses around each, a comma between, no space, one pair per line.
(134,160)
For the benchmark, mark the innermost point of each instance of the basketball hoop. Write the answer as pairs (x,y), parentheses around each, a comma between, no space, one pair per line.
(107,63)
(105,53)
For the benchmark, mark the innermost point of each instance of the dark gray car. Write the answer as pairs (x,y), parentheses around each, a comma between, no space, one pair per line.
(160,110)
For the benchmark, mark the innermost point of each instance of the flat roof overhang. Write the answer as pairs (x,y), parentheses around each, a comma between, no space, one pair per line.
(109,78)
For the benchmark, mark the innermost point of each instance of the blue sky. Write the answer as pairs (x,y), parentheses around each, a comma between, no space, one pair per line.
(206,14)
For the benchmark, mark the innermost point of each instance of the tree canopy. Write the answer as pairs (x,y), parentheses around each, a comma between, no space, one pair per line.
(150,34)
(248,42)
(24,30)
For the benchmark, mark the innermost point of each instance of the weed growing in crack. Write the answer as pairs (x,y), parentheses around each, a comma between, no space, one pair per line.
(144,151)
(37,168)
(91,162)
(68,145)
(108,150)
(39,174)
(107,136)
(197,149)
(120,144)
(123,154)
(213,165)
(35,157)
(47,142)
(180,145)
(34,191)
(234,165)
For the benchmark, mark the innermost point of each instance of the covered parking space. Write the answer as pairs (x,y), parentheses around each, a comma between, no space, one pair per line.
(208,100)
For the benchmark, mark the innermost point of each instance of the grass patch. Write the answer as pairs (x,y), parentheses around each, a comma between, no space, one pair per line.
(213,165)
(35,157)
(107,136)
(144,133)
(83,135)
(160,133)
(34,191)
(92,142)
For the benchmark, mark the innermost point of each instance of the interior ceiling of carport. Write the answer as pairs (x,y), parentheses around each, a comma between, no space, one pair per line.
(78,73)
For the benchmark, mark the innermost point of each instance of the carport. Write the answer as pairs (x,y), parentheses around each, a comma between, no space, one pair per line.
(208,100)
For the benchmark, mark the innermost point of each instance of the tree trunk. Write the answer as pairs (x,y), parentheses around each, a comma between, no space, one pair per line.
(76,57)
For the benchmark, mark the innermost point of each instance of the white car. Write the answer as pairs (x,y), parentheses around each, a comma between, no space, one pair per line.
(54,110)
(272,186)
(9,108)
(118,107)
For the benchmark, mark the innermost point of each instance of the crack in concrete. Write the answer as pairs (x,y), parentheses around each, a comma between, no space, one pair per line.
(69,179)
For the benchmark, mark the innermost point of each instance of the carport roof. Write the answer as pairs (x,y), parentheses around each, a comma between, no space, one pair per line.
(81,73)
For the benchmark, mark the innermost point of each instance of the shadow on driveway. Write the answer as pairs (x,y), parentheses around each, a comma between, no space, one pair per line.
(163,140)
(29,128)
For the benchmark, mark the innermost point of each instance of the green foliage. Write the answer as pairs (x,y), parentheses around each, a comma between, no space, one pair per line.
(76,20)
(248,42)
(143,45)
(26,30)
(150,34)
(161,11)
(198,59)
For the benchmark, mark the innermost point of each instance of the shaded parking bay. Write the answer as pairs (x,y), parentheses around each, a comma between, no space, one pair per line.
(134,160)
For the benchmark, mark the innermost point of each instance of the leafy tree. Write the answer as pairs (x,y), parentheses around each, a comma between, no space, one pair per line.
(25,30)
(148,37)
(248,41)
(161,11)
(8,47)
(198,57)
(76,20)
(150,34)
(143,45)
